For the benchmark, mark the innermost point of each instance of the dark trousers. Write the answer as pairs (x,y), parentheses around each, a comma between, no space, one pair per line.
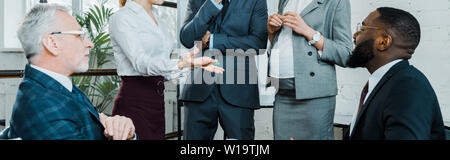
(201,119)
(142,100)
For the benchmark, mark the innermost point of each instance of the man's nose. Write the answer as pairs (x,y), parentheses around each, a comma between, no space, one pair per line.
(89,43)
(355,35)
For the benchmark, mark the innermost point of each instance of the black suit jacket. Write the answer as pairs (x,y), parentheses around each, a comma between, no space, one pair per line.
(244,26)
(403,106)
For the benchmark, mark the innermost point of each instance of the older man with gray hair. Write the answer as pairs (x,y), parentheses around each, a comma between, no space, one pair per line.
(48,106)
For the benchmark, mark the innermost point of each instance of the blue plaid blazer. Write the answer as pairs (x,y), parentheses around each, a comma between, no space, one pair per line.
(45,110)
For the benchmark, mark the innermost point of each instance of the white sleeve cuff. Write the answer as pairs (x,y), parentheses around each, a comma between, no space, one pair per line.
(211,39)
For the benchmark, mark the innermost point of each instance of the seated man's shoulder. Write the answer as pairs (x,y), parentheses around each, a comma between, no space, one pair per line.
(32,98)
(411,85)
(413,77)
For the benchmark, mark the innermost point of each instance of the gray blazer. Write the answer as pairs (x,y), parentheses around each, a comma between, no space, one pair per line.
(315,76)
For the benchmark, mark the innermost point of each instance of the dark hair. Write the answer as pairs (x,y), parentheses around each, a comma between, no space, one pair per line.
(403,23)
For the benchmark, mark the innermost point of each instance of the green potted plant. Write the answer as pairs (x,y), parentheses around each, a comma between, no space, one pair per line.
(101,90)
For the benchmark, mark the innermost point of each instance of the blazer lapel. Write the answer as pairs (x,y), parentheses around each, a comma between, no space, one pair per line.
(86,103)
(281,5)
(377,88)
(312,6)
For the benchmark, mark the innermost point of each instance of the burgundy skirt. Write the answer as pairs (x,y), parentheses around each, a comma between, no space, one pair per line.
(142,100)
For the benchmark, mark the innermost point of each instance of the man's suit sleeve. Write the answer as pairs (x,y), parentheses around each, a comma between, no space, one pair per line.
(47,121)
(409,112)
(197,21)
(338,49)
(257,38)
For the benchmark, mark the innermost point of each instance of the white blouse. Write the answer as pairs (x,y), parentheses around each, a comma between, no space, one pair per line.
(282,57)
(142,47)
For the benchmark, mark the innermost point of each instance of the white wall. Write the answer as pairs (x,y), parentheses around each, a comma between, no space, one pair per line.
(2,21)
(13,12)
(9,87)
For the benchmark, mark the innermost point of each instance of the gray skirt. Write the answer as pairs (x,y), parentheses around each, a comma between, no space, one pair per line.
(310,119)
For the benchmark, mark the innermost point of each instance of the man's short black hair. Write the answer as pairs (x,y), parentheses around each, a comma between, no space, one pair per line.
(404,24)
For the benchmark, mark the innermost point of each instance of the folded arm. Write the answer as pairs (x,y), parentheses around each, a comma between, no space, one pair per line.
(197,21)
(257,38)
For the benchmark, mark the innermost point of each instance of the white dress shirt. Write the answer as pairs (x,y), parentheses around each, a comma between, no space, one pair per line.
(62,79)
(282,55)
(373,81)
(142,47)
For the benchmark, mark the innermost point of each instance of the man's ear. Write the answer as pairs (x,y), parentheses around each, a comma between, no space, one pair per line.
(383,43)
(50,43)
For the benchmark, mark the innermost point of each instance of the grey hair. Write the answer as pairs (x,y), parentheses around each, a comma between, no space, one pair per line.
(37,23)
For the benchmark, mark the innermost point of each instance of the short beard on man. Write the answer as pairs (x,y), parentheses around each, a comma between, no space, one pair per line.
(83,67)
(362,54)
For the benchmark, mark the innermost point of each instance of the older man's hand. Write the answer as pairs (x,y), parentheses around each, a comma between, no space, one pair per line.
(118,127)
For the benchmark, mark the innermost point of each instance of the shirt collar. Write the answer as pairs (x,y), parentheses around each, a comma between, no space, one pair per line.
(379,73)
(62,79)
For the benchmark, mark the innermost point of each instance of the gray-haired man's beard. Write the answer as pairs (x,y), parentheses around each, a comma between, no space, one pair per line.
(361,55)
(83,67)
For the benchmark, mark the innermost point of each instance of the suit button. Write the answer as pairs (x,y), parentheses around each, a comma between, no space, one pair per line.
(312,74)
(310,53)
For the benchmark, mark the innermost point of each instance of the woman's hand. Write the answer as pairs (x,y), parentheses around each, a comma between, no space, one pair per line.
(274,25)
(206,63)
(297,24)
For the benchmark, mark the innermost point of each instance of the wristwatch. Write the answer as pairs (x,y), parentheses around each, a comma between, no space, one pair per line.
(315,39)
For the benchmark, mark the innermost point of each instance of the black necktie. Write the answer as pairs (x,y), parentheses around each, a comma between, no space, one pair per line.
(225,4)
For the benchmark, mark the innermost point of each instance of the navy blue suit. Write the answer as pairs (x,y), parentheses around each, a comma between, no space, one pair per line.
(403,106)
(45,110)
(243,26)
